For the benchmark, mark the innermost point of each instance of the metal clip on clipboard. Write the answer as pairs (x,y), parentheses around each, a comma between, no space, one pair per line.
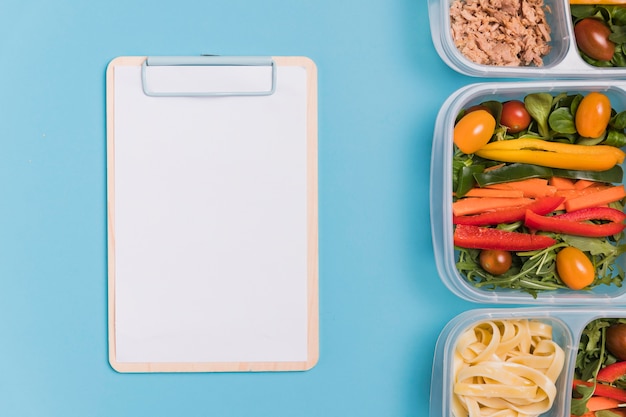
(207,60)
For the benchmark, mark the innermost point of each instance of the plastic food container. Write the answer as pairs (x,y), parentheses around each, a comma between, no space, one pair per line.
(567,326)
(563,60)
(441,192)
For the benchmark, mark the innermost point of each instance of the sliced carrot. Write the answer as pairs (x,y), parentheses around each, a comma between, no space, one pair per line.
(596,403)
(475,205)
(561,183)
(571,194)
(532,187)
(490,192)
(603,196)
(583,191)
(580,184)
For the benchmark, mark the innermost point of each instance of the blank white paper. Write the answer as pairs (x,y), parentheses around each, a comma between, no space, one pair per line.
(210,223)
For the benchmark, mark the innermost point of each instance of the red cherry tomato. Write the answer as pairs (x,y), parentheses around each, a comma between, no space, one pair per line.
(593,115)
(574,268)
(592,37)
(474,130)
(494,261)
(515,116)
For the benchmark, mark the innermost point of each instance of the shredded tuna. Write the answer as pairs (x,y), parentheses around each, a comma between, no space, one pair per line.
(501,32)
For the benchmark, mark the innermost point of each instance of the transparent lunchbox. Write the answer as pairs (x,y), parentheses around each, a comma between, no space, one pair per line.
(567,325)
(441,193)
(562,61)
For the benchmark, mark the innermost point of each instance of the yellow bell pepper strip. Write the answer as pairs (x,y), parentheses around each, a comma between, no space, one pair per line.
(553,154)
(575,224)
(477,237)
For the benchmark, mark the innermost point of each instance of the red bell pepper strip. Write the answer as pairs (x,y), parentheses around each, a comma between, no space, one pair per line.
(604,390)
(558,224)
(612,372)
(594,213)
(541,206)
(476,237)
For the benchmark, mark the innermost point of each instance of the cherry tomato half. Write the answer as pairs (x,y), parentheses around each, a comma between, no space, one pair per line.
(593,115)
(574,268)
(474,130)
(592,37)
(514,116)
(494,261)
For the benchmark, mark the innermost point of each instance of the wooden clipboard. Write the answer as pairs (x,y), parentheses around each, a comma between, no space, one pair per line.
(212,203)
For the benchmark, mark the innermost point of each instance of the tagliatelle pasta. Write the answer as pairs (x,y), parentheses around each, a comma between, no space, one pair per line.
(505,368)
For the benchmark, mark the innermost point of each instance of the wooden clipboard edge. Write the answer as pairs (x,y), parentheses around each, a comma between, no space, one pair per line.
(312,233)
(110,111)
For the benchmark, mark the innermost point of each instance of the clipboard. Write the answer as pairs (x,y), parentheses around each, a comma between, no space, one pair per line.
(212,205)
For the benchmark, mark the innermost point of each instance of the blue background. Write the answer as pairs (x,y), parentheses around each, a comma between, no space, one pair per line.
(382,304)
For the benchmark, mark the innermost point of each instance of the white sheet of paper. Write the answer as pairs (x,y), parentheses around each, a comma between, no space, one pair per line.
(210,223)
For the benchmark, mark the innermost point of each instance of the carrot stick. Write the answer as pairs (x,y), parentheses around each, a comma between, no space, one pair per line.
(561,183)
(489,192)
(583,191)
(532,187)
(580,184)
(575,193)
(475,205)
(605,196)
(602,403)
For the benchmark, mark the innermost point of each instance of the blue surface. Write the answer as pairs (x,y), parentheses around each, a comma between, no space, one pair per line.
(382,304)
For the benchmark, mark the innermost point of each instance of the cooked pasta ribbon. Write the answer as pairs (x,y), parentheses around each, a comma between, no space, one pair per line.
(506,368)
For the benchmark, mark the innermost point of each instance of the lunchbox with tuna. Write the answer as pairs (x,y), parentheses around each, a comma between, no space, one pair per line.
(531,361)
(527,192)
(531,38)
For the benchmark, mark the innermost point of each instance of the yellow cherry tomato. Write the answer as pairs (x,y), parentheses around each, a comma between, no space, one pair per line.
(474,130)
(593,114)
(574,268)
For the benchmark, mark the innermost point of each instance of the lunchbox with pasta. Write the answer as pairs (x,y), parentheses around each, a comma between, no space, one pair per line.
(531,361)
(545,187)
(531,38)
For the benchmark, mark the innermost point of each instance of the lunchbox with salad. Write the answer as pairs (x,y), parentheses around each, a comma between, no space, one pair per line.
(527,192)
(531,361)
(531,38)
